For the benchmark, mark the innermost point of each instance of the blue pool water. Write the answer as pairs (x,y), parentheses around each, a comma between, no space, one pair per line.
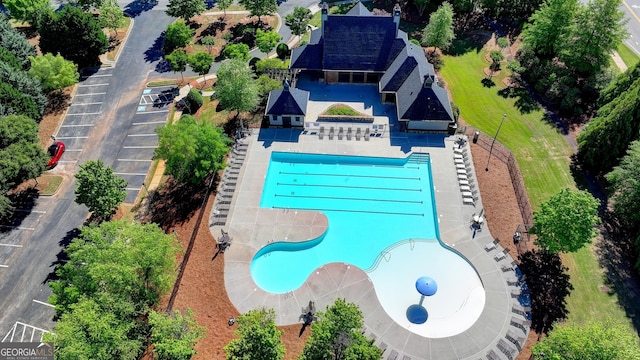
(370,203)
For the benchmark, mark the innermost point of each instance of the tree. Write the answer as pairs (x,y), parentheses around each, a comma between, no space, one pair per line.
(266,85)
(208,41)
(236,87)
(609,340)
(87,331)
(625,188)
(607,136)
(178,35)
(192,102)
(178,60)
(224,5)
(337,334)
(566,222)
(267,40)
(439,31)
(26,10)
(75,35)
(597,30)
(10,59)
(87,5)
(21,156)
(21,81)
(260,7)
(123,266)
(547,27)
(185,9)
(174,335)
(15,102)
(54,72)
(191,149)
(111,16)
(270,63)
(298,21)
(421,5)
(6,208)
(15,42)
(549,286)
(236,51)
(201,63)
(99,188)
(496,57)
(257,337)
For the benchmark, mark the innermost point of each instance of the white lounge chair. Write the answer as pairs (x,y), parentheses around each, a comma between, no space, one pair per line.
(467,194)
(468,200)
(463,182)
(465,188)
(460,166)
(461,171)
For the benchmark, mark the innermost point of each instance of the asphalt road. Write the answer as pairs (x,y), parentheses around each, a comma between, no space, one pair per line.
(631,9)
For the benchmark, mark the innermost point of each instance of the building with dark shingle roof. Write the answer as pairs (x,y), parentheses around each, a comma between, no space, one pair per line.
(358,47)
(287,106)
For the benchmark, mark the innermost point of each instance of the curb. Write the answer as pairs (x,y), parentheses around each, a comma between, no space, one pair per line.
(112,63)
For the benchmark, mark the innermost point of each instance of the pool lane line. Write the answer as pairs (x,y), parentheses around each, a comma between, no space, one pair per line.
(343,198)
(356,176)
(350,187)
(347,210)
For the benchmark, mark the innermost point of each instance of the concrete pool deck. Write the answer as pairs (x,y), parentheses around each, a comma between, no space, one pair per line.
(501,328)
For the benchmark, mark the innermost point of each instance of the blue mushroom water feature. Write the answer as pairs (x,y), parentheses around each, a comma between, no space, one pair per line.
(426,286)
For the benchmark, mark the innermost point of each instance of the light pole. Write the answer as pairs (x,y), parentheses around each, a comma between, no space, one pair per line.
(504,116)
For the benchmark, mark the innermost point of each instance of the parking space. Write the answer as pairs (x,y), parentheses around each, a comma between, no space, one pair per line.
(82,113)
(21,332)
(15,230)
(134,158)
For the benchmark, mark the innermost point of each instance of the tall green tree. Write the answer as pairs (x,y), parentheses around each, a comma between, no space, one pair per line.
(549,287)
(260,8)
(88,331)
(54,72)
(236,51)
(298,20)
(597,30)
(174,335)
(566,222)
(421,5)
(99,189)
(75,35)
(608,340)
(208,41)
(185,9)
(178,35)
(624,187)
(201,63)
(257,337)
(547,27)
(439,31)
(29,86)
(111,16)
(123,266)
(26,10)
(338,334)
(15,42)
(10,59)
(6,208)
(21,156)
(15,102)
(191,149)
(224,5)
(267,40)
(606,137)
(236,87)
(178,60)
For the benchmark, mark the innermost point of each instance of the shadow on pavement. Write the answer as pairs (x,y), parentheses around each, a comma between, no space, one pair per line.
(137,7)
(61,257)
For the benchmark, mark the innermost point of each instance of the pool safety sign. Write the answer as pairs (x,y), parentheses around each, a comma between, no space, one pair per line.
(26,351)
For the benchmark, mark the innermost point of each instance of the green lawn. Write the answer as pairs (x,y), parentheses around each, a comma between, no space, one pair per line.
(542,153)
(628,56)
(543,157)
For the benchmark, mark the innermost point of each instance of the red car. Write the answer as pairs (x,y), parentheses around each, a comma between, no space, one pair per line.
(55,151)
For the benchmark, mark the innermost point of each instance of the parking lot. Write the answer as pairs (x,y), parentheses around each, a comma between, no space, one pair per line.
(134,158)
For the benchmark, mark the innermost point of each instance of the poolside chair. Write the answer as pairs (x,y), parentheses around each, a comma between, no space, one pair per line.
(468,201)
(465,188)
(358,133)
(490,246)
(349,133)
(515,339)
(393,355)
(463,182)
(467,194)
(367,134)
(520,323)
(507,349)
(321,133)
(458,156)
(458,161)
(463,177)
(499,257)
(340,133)
(461,171)
(491,355)
(461,166)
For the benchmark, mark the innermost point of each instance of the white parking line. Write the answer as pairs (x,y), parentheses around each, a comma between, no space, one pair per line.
(103,75)
(90,85)
(133,160)
(152,112)
(133,174)
(93,103)
(77,125)
(139,147)
(143,135)
(12,245)
(133,189)
(150,122)
(74,150)
(68,161)
(43,303)
(71,137)
(4,266)
(33,211)
(80,114)
(91,94)
(16,227)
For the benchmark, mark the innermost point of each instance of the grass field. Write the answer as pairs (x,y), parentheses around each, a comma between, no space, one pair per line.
(629,57)
(543,157)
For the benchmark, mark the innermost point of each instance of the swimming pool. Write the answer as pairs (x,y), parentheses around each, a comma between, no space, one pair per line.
(371,203)
(382,218)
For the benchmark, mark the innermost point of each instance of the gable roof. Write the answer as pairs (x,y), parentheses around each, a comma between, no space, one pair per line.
(359,10)
(417,101)
(287,101)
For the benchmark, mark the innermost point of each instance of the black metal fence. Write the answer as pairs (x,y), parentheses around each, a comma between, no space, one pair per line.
(505,155)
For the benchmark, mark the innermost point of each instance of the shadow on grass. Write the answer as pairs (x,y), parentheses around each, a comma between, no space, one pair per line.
(525,102)
(468,43)
(488,83)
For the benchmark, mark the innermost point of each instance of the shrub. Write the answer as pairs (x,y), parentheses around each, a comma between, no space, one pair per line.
(342,110)
(283,51)
(237,51)
(192,102)
(270,63)
(177,35)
